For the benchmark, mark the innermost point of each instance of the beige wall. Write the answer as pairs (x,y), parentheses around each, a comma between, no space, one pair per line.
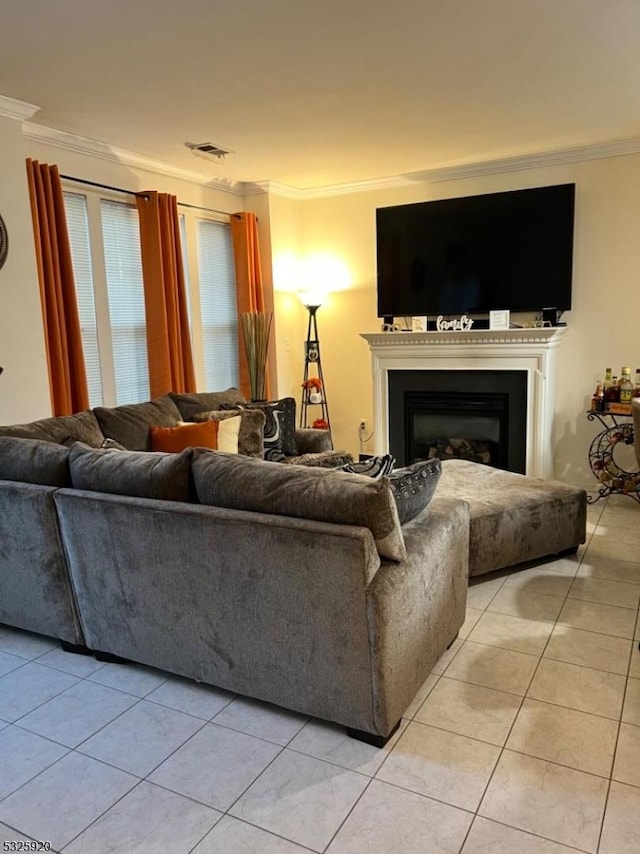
(603,325)
(24,385)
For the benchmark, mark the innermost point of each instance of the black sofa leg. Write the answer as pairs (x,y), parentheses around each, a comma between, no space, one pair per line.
(370,738)
(109,657)
(77,648)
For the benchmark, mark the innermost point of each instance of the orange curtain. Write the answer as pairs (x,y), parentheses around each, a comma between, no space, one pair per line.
(168,340)
(250,291)
(63,341)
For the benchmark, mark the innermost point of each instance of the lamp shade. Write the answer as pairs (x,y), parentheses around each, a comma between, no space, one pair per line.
(312,296)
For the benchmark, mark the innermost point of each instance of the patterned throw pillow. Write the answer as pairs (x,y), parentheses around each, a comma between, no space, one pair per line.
(279,428)
(374,467)
(413,487)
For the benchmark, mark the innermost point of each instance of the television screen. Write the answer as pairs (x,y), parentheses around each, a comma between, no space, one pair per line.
(511,250)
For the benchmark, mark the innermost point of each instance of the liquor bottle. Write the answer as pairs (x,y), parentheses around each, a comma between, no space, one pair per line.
(607,378)
(612,394)
(597,397)
(636,388)
(626,387)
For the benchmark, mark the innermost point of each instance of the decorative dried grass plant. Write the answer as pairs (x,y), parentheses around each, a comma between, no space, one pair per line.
(256,329)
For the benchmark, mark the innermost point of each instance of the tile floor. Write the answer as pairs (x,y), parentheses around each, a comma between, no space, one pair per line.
(525,738)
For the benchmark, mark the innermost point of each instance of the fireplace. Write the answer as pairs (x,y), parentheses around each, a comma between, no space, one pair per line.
(478,416)
(528,352)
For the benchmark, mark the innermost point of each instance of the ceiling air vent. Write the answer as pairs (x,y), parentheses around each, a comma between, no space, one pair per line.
(209,150)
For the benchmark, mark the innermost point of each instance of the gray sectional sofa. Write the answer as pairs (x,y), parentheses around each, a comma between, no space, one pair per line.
(290,584)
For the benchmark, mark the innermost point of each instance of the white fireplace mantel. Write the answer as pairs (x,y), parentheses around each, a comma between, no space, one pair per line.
(530,350)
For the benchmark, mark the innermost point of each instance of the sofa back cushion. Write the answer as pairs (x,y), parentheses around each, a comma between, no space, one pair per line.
(130,424)
(241,483)
(82,427)
(141,475)
(192,404)
(185,435)
(34,461)
(250,434)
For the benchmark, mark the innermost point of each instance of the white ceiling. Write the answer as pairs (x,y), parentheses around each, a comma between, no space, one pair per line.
(319,93)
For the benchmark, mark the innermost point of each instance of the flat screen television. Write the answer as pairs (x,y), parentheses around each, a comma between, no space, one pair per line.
(511,250)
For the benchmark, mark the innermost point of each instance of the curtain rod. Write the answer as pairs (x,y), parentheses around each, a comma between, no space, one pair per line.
(133,193)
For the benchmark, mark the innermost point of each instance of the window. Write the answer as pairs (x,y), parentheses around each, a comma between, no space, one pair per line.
(78,227)
(217,304)
(105,246)
(123,267)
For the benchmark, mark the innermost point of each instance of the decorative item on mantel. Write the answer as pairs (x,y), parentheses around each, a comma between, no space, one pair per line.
(256,329)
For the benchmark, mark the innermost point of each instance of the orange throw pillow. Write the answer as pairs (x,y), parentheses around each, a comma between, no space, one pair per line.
(176,439)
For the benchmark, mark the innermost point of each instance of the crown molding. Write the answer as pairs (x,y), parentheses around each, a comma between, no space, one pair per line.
(274,188)
(18,110)
(93,148)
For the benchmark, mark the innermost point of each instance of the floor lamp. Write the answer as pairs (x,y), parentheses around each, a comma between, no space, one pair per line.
(313,388)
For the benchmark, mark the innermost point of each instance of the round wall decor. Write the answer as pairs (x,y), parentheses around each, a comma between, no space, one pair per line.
(4,242)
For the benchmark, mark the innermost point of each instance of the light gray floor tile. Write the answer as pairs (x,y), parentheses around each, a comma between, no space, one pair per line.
(471,618)
(621,828)
(606,619)
(619,533)
(8,834)
(489,837)
(388,819)
(147,820)
(631,710)
(77,713)
(449,767)
(423,693)
(447,657)
(582,741)
(231,836)
(606,592)
(471,710)
(627,764)
(9,662)
(301,798)
(142,737)
(609,570)
(634,667)
(24,689)
(512,633)
(528,606)
(331,743)
(70,662)
(63,800)
(493,667)
(481,591)
(132,678)
(589,649)
(25,644)
(22,756)
(540,579)
(546,799)
(263,720)
(613,549)
(216,765)
(192,698)
(581,688)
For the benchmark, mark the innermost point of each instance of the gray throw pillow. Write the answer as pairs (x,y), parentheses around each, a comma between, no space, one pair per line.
(240,483)
(279,428)
(129,425)
(413,487)
(251,434)
(194,403)
(372,467)
(34,461)
(82,427)
(142,475)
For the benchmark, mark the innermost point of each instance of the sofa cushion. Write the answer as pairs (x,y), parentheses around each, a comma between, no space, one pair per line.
(130,424)
(413,487)
(172,440)
(324,459)
(192,404)
(279,428)
(251,433)
(141,475)
(82,427)
(34,461)
(240,483)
